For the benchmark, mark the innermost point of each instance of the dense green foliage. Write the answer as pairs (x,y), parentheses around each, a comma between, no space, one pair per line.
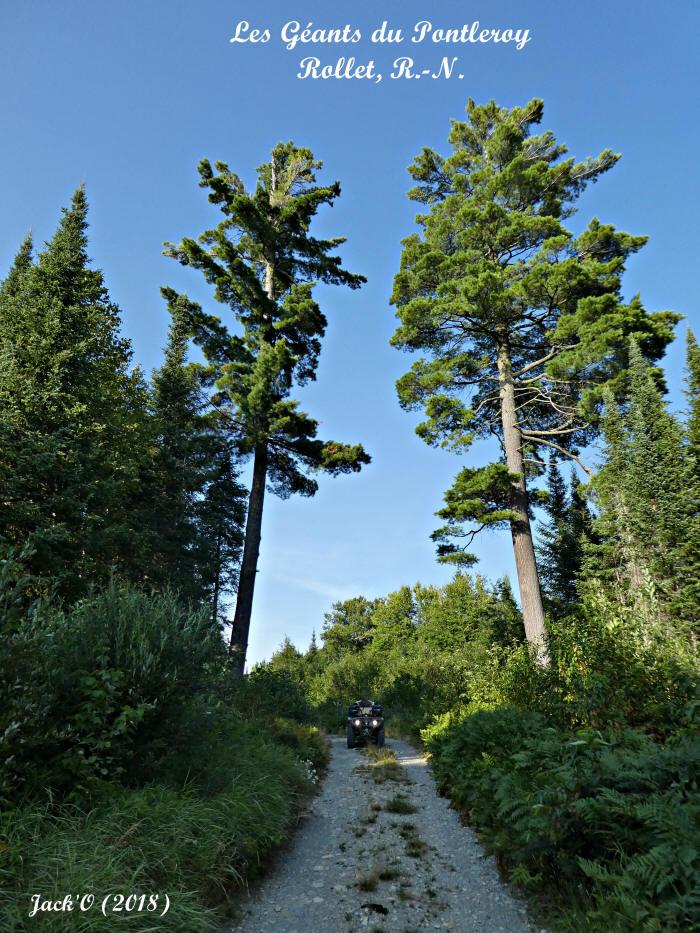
(563,538)
(131,758)
(130,754)
(134,756)
(101,473)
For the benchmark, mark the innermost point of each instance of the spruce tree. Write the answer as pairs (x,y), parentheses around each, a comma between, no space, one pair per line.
(690,598)
(648,500)
(263,262)
(66,389)
(656,471)
(220,515)
(693,394)
(178,461)
(521,324)
(562,540)
(197,506)
(23,262)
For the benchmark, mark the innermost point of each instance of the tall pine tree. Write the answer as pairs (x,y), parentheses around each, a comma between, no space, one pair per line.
(263,262)
(520,322)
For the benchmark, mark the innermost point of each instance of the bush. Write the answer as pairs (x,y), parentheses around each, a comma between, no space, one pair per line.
(83,693)
(132,762)
(611,813)
(269,693)
(307,742)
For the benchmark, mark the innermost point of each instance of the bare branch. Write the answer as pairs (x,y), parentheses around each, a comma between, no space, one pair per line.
(541,361)
(562,450)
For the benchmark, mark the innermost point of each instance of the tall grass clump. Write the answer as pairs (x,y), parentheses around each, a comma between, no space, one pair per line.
(133,762)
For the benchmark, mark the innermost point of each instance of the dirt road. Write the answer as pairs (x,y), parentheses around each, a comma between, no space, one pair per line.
(381,851)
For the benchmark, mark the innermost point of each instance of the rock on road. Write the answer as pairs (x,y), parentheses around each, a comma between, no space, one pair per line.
(355,865)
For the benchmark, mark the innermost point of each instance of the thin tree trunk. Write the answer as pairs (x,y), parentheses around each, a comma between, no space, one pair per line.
(249,566)
(251,547)
(217,580)
(526,566)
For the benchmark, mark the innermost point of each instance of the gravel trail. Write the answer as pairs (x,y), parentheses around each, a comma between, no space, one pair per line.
(355,865)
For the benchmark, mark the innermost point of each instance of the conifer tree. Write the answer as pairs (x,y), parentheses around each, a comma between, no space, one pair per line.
(521,324)
(693,393)
(506,618)
(263,262)
(656,470)
(648,498)
(23,262)
(220,514)
(198,503)
(178,462)
(66,389)
(562,539)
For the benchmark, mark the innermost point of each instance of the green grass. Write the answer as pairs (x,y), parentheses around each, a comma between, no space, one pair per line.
(400,803)
(384,767)
(369,881)
(199,849)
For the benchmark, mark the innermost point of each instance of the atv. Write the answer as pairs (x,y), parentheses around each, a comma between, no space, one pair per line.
(365,724)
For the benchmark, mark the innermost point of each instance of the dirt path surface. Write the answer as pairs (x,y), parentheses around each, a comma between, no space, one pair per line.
(380,851)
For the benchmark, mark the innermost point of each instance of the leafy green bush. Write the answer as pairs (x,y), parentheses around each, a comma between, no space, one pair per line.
(132,762)
(612,813)
(307,742)
(84,692)
(268,693)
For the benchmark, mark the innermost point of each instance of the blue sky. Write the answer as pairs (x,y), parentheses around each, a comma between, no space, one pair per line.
(128,96)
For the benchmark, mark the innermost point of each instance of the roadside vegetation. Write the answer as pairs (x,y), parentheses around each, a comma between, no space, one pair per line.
(132,762)
(135,758)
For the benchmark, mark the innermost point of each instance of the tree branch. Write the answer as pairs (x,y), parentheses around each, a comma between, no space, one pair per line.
(562,450)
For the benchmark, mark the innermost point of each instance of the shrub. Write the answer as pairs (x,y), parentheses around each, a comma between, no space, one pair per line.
(84,692)
(612,812)
(268,693)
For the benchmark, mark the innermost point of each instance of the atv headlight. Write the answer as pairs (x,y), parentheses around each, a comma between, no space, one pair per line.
(357,722)
(375,722)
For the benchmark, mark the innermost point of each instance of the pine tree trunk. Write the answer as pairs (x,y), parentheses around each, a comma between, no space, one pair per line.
(249,566)
(526,566)
(251,547)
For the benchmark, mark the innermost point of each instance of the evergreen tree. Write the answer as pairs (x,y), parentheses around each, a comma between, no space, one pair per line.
(614,557)
(562,540)
(521,323)
(66,390)
(649,500)
(506,617)
(23,262)
(198,506)
(655,478)
(263,263)
(288,660)
(179,462)
(220,516)
(693,393)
